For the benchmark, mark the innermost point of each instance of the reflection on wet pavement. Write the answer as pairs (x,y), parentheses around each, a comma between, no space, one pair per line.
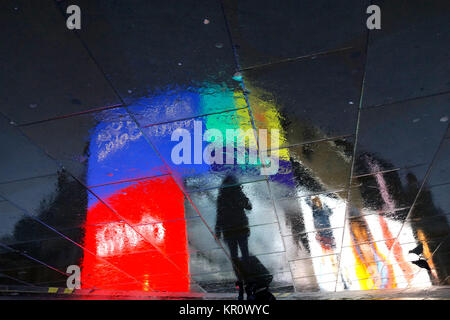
(359,200)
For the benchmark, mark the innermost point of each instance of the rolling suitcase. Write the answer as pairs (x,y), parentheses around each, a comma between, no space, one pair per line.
(255,277)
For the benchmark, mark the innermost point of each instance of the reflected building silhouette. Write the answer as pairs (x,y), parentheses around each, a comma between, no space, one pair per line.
(64,210)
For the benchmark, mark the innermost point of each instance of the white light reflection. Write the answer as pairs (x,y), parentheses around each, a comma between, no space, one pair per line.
(113,238)
(357,271)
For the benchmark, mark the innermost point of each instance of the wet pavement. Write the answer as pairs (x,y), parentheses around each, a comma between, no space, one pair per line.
(432,293)
(89,122)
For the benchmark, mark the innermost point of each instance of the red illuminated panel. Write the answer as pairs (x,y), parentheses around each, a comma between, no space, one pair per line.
(153,250)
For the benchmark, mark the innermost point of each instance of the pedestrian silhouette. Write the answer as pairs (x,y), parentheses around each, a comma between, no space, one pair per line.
(232,224)
(422,263)
(417,250)
(231,221)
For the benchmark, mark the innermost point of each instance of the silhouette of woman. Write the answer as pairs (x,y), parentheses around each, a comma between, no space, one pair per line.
(231,221)
(321,216)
